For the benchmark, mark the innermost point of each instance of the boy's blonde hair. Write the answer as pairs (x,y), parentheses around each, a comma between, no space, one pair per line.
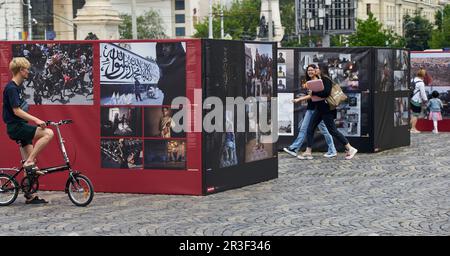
(421,73)
(18,64)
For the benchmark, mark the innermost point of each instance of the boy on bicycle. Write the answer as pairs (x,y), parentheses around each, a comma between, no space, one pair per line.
(16,119)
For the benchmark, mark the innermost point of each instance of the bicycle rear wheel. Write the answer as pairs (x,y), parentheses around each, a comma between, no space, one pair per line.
(9,190)
(80,190)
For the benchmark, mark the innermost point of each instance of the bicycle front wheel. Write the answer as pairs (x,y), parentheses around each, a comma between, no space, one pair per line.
(80,190)
(9,190)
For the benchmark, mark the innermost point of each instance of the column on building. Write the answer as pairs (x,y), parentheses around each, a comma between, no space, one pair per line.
(63,19)
(11,20)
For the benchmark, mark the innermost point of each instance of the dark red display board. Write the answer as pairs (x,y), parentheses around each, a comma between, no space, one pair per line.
(119,95)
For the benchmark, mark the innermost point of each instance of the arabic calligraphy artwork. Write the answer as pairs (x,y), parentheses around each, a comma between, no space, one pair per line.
(144,73)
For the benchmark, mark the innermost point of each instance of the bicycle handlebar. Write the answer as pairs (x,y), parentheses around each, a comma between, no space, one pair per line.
(61,122)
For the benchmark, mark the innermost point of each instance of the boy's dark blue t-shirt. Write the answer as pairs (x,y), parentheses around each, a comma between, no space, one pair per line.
(11,99)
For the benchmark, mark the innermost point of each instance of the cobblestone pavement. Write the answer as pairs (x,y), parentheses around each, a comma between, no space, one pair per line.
(405,191)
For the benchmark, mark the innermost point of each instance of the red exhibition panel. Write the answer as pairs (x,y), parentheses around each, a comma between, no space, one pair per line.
(116,92)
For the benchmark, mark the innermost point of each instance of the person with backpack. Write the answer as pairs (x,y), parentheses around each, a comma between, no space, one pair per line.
(418,97)
(323,112)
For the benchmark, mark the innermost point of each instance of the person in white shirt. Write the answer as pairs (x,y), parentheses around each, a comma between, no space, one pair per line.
(418,98)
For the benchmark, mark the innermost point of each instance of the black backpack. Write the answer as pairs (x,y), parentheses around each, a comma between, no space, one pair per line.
(412,88)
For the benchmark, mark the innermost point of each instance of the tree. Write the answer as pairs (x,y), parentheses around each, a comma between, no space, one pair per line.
(240,20)
(417,32)
(370,33)
(149,26)
(440,36)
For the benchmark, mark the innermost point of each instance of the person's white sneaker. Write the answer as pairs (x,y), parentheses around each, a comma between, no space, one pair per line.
(290,152)
(330,155)
(351,153)
(415,131)
(435,131)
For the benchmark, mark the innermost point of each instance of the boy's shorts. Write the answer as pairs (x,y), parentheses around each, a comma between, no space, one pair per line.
(21,132)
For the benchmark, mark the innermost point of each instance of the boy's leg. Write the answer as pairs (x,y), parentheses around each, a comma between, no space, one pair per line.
(43,137)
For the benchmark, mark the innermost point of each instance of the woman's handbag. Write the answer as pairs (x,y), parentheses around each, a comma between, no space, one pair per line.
(337,96)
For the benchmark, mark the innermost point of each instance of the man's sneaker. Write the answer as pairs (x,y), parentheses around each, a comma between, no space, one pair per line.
(351,153)
(305,157)
(330,155)
(290,152)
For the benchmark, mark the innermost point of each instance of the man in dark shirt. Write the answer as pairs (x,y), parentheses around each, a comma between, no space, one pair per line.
(16,118)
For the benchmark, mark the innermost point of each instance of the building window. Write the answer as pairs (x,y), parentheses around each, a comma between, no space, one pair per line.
(179,18)
(179,5)
(180,31)
(368,9)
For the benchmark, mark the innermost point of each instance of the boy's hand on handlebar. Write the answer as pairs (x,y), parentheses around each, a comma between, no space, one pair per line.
(41,123)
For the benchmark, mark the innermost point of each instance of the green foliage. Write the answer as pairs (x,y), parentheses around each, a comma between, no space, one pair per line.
(240,20)
(149,26)
(417,32)
(370,33)
(440,37)
(438,16)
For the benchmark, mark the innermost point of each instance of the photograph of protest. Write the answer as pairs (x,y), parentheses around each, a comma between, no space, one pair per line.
(60,74)
(400,81)
(165,154)
(437,66)
(340,67)
(348,120)
(287,57)
(158,122)
(121,153)
(259,69)
(385,69)
(401,111)
(142,73)
(255,147)
(121,121)
(285,114)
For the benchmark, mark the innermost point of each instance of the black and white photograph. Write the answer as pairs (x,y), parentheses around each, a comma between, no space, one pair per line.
(259,70)
(60,74)
(348,120)
(281,85)
(158,122)
(121,153)
(288,80)
(285,114)
(142,73)
(165,154)
(401,111)
(400,81)
(121,121)
(385,69)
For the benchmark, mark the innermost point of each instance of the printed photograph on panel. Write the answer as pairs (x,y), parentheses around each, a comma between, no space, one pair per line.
(400,82)
(401,111)
(287,59)
(385,69)
(158,122)
(259,70)
(340,67)
(121,121)
(285,114)
(348,120)
(255,148)
(142,73)
(60,74)
(121,153)
(165,154)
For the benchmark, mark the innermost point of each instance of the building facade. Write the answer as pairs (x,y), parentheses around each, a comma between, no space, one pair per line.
(391,12)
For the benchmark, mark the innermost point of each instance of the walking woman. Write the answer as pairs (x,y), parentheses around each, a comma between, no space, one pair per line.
(324,113)
(311,71)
